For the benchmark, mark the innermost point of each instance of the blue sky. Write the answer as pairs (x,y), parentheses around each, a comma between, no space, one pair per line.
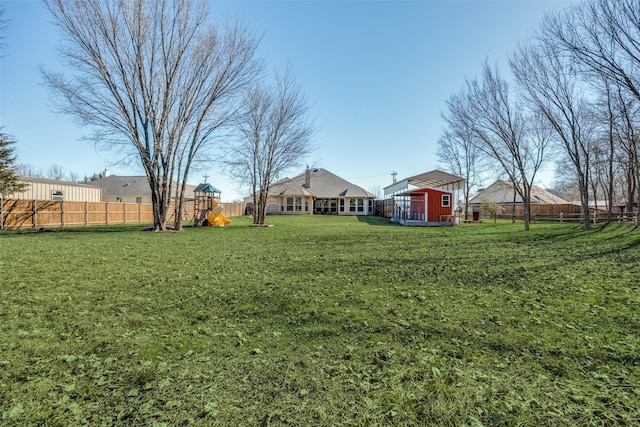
(377,72)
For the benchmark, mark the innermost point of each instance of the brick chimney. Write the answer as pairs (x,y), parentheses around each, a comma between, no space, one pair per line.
(307,178)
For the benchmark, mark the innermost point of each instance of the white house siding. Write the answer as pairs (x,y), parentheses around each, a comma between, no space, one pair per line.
(41,189)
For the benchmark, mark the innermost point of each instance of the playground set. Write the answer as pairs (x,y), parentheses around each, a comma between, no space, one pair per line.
(208,208)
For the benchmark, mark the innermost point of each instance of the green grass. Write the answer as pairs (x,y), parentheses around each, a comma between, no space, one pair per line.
(322,321)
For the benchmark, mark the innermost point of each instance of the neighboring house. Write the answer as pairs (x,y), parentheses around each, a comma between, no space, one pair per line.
(423,206)
(50,189)
(318,191)
(131,189)
(502,193)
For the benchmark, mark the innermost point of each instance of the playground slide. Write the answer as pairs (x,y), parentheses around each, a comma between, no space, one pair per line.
(217,219)
(224,219)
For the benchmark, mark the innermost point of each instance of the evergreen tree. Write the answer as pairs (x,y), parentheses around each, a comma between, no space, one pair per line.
(9,182)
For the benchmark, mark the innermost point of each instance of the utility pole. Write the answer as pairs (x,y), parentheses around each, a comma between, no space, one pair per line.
(394,174)
(205,178)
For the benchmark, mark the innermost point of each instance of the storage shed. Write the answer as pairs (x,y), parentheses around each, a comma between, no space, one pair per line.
(424,206)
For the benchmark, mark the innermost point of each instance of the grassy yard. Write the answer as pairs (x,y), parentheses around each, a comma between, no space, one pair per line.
(321,321)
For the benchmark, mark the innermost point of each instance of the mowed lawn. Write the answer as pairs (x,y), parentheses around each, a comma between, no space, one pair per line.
(321,321)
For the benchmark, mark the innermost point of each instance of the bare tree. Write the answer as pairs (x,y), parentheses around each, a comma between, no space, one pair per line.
(550,86)
(461,156)
(484,109)
(628,147)
(604,149)
(155,79)
(603,36)
(26,169)
(56,172)
(275,135)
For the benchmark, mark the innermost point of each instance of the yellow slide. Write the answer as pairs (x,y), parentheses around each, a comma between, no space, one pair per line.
(217,220)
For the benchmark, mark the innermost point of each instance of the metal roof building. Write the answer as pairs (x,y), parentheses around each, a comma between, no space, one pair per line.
(51,189)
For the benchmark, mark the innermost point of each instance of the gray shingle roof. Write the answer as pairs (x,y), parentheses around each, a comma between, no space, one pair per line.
(502,192)
(323,184)
(129,186)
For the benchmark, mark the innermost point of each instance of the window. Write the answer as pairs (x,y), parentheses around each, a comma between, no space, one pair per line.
(298,206)
(57,195)
(138,199)
(360,205)
(306,205)
(446,200)
(352,205)
(341,205)
(289,204)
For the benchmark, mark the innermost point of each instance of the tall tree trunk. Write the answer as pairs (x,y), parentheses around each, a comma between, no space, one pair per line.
(526,206)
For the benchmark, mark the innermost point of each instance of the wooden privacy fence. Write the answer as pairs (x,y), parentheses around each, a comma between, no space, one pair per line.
(595,216)
(52,213)
(561,213)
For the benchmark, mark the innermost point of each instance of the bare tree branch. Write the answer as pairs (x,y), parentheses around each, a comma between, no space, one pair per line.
(274,135)
(156,78)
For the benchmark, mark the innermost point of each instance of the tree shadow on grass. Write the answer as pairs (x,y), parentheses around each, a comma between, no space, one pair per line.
(377,220)
(97,229)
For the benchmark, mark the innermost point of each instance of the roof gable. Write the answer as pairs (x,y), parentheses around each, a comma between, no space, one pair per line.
(323,184)
(502,192)
(129,186)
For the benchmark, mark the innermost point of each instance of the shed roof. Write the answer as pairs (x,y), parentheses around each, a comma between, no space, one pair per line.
(421,191)
(434,179)
(32,179)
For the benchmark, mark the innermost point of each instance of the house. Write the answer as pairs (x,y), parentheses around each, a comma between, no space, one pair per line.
(543,203)
(131,189)
(318,191)
(50,189)
(502,193)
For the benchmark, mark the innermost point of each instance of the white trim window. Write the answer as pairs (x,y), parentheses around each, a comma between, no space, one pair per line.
(446,200)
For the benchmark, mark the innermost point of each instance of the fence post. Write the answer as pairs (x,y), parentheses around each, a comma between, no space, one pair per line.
(107,216)
(561,217)
(595,217)
(34,213)
(86,213)
(1,213)
(124,213)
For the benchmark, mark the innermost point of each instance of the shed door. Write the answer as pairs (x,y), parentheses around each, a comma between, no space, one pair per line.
(426,206)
